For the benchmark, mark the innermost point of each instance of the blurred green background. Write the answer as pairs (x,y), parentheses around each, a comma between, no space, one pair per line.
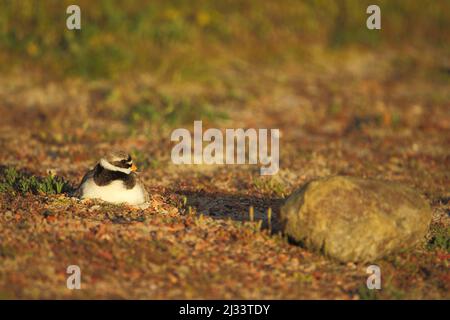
(194,39)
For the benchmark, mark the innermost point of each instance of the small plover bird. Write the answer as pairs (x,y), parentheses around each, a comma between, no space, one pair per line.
(114,180)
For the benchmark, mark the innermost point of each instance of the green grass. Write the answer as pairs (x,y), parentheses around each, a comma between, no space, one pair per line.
(13,181)
(7,252)
(142,160)
(270,185)
(182,39)
(367,294)
(171,112)
(440,238)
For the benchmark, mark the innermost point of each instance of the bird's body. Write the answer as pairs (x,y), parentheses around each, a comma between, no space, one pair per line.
(113,180)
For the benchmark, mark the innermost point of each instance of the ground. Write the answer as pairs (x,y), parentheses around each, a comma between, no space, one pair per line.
(362,113)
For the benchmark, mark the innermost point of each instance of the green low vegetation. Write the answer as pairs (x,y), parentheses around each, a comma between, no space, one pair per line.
(270,186)
(187,40)
(440,238)
(171,112)
(13,181)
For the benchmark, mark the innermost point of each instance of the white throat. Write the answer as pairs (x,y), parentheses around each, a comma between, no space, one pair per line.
(105,164)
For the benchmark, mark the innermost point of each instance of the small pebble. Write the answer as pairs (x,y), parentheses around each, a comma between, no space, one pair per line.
(8,215)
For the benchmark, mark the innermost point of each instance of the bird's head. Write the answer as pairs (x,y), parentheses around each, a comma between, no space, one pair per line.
(118,161)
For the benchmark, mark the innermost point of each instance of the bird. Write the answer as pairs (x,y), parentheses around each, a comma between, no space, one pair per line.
(114,179)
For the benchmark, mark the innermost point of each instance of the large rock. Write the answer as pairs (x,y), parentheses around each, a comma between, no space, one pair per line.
(354,219)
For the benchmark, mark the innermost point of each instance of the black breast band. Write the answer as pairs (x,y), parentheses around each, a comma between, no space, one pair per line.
(103,177)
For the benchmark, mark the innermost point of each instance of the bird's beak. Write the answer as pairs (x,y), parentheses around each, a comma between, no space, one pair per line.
(133,167)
